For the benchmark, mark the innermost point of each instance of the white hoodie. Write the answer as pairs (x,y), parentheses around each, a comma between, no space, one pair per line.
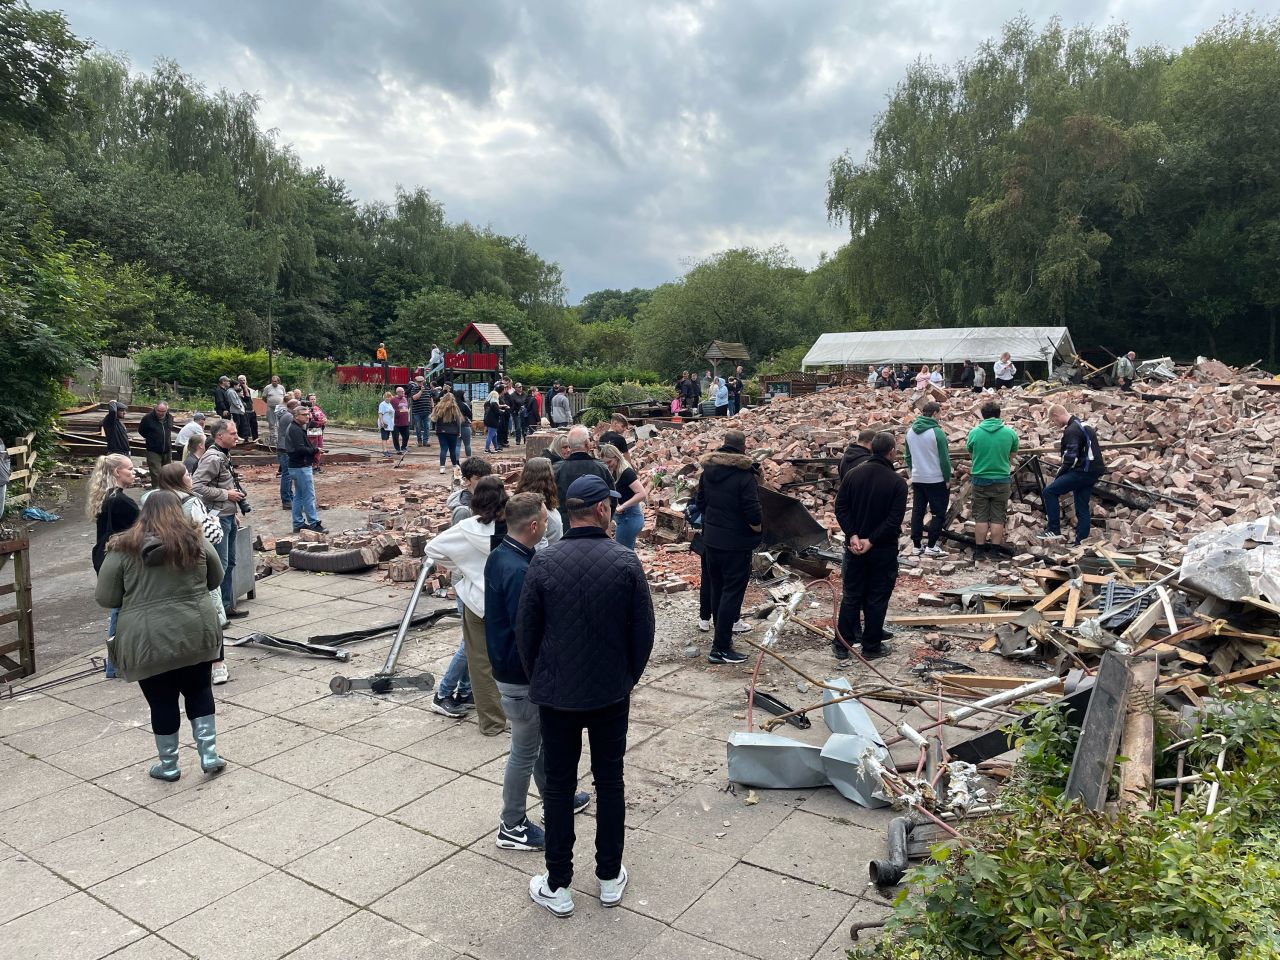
(463,550)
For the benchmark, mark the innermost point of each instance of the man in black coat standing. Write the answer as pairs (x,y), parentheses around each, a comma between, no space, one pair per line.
(870,505)
(584,633)
(579,463)
(728,498)
(856,452)
(156,429)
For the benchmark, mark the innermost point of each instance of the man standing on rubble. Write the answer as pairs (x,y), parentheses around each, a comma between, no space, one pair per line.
(1080,470)
(991,444)
(728,498)
(1125,370)
(926,456)
(156,429)
(870,505)
(856,452)
(584,632)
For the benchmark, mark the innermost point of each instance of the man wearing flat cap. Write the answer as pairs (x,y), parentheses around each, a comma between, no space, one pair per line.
(584,632)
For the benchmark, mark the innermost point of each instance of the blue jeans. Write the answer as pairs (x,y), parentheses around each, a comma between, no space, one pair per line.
(304,497)
(449,446)
(466,439)
(110,669)
(734,406)
(525,759)
(457,678)
(422,428)
(490,438)
(629,523)
(227,554)
(286,481)
(1080,485)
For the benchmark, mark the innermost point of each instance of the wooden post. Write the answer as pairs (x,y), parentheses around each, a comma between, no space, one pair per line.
(1137,742)
(13,669)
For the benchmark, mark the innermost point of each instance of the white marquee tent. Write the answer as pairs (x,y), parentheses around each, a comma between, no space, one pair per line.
(980,344)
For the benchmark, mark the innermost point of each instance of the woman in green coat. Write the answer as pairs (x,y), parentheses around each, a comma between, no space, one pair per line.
(159,573)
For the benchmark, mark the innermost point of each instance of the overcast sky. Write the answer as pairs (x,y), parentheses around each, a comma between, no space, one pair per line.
(624,138)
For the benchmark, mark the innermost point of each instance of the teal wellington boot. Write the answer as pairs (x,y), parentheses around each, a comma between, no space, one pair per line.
(167,768)
(202,728)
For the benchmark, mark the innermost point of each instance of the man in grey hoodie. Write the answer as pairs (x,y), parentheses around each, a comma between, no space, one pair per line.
(925,455)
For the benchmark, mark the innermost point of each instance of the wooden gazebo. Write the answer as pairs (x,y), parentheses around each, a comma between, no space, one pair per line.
(723,350)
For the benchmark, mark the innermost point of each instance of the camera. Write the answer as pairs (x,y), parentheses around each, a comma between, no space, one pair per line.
(245,509)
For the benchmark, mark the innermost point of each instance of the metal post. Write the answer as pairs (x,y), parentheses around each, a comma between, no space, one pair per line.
(389,666)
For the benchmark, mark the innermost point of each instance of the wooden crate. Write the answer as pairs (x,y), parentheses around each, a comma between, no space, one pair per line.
(15,555)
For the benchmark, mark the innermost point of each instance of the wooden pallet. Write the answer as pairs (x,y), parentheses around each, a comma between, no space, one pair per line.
(20,589)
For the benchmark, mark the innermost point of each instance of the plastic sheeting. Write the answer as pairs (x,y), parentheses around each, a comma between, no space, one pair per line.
(979,344)
(1242,560)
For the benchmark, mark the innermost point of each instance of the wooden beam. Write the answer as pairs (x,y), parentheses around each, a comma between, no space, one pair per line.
(1142,625)
(1053,597)
(1137,742)
(943,620)
(1073,608)
(1247,675)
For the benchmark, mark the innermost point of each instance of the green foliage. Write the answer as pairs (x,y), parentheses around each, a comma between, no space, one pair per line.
(603,397)
(37,54)
(197,369)
(582,378)
(1053,880)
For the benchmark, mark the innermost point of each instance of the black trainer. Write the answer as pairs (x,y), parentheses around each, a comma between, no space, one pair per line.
(839,650)
(466,703)
(446,707)
(882,651)
(726,656)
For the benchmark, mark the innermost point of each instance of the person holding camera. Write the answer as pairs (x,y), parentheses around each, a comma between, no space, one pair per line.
(216,484)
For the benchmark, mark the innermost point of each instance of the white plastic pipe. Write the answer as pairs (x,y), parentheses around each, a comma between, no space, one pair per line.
(1005,696)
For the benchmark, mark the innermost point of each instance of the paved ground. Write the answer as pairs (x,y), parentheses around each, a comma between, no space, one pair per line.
(348,827)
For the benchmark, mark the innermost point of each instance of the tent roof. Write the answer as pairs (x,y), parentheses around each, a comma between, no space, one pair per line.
(490,334)
(955,345)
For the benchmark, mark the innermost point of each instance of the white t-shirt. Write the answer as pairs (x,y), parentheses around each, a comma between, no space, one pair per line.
(193,429)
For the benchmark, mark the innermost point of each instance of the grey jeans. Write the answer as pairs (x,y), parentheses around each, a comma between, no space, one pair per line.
(526,751)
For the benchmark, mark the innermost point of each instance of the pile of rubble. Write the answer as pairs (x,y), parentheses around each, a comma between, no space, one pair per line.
(1181,456)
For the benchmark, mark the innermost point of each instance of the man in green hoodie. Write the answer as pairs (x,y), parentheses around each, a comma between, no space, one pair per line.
(991,444)
(926,456)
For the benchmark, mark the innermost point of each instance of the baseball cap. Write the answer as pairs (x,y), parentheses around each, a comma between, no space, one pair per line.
(588,491)
(197,416)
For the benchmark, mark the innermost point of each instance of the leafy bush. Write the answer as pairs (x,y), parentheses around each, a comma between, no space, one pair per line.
(603,397)
(581,377)
(196,369)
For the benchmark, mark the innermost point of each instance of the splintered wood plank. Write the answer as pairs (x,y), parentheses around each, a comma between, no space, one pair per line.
(1073,608)
(1100,736)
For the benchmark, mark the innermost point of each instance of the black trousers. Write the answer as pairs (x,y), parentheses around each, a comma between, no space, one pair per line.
(400,438)
(704,591)
(730,570)
(868,581)
(562,749)
(934,497)
(195,686)
(504,431)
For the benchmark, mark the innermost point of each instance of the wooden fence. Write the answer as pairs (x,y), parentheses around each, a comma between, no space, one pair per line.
(24,664)
(23,471)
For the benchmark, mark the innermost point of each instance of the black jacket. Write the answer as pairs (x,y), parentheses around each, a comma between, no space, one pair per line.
(871,503)
(854,454)
(158,433)
(302,452)
(117,433)
(1080,449)
(585,625)
(504,574)
(729,500)
(580,464)
(119,512)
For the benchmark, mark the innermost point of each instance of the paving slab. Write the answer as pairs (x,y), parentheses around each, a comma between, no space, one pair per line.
(261,921)
(28,886)
(112,847)
(662,708)
(761,914)
(339,586)
(397,728)
(100,757)
(319,761)
(65,734)
(37,822)
(648,793)
(674,944)
(149,948)
(828,802)
(279,695)
(218,801)
(819,850)
(292,828)
(367,936)
(74,928)
(371,861)
(460,747)
(136,784)
(387,783)
(281,598)
(32,710)
(462,901)
(592,931)
(682,755)
(99,692)
(263,738)
(337,714)
(720,821)
(179,883)
(840,943)
(461,811)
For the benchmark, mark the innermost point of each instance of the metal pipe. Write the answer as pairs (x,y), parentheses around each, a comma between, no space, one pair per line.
(889,872)
(389,665)
(1003,697)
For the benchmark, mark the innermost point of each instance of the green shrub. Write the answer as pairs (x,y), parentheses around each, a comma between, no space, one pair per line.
(196,369)
(582,378)
(603,397)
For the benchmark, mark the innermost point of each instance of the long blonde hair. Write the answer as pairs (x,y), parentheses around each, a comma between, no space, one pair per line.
(102,481)
(446,410)
(609,452)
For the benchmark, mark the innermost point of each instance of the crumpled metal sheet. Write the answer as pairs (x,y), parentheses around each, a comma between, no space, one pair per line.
(773,762)
(1242,560)
(847,716)
(842,760)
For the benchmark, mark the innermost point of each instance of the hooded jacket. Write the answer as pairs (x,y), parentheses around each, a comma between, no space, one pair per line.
(585,625)
(992,444)
(925,453)
(871,503)
(504,574)
(157,431)
(1080,449)
(463,550)
(117,433)
(166,620)
(728,498)
(854,454)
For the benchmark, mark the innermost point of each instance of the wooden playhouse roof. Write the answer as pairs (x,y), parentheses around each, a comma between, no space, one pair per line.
(490,334)
(723,350)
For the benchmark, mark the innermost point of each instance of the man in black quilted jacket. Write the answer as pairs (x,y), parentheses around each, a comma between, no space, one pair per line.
(729,499)
(584,632)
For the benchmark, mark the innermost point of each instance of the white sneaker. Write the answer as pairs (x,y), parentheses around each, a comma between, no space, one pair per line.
(220,673)
(934,551)
(559,902)
(743,627)
(442,469)
(704,626)
(611,890)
